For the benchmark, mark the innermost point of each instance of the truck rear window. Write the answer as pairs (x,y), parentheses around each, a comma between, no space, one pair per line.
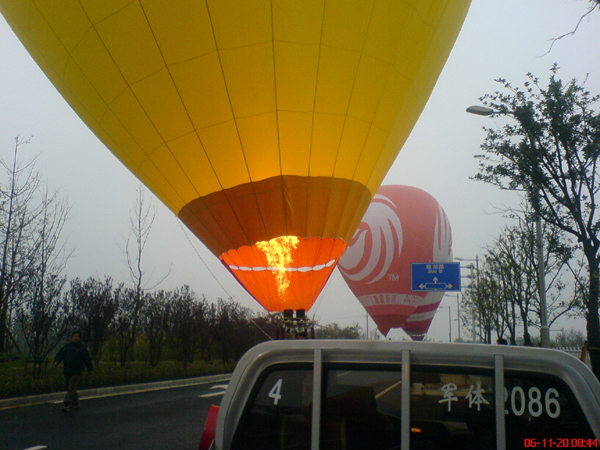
(280,415)
(361,409)
(542,409)
(450,408)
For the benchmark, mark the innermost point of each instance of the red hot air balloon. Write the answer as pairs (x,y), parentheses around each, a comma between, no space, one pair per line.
(403,225)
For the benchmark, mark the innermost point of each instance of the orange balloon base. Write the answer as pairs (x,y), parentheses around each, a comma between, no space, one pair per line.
(286,272)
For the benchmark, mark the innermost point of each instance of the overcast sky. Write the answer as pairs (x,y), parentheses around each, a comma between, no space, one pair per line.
(507,39)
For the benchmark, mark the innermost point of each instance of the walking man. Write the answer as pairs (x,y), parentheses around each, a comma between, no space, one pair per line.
(74,355)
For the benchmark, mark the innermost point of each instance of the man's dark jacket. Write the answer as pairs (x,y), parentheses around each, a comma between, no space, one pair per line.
(75,356)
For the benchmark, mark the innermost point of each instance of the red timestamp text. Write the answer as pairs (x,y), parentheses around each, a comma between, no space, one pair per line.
(561,443)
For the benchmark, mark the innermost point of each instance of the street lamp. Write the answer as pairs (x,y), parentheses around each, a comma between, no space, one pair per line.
(476,277)
(480,110)
(544,329)
(449,308)
(470,266)
(458,314)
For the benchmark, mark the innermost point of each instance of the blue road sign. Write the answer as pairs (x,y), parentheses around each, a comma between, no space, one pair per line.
(435,276)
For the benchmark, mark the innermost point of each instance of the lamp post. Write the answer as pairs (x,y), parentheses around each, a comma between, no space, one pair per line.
(470,266)
(476,277)
(450,324)
(544,329)
(449,308)
(471,277)
(458,314)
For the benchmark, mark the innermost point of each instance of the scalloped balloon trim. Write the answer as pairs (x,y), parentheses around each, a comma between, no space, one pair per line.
(286,269)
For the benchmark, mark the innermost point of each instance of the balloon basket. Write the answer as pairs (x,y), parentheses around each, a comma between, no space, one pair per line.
(290,324)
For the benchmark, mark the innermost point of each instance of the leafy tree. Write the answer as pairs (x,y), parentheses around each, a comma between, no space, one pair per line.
(237,329)
(124,326)
(155,321)
(94,304)
(482,303)
(334,331)
(187,322)
(260,328)
(511,262)
(550,151)
(229,317)
(569,338)
(43,319)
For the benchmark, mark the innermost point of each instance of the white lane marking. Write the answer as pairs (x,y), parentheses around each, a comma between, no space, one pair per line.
(215,394)
(37,447)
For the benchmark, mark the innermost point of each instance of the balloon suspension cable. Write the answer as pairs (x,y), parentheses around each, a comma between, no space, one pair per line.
(215,278)
(290,324)
(201,259)
(261,329)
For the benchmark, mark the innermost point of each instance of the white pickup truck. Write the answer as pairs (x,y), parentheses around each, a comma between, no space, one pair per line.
(376,395)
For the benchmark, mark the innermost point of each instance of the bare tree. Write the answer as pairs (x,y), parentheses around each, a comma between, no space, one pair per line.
(141,221)
(18,214)
(595,6)
(42,314)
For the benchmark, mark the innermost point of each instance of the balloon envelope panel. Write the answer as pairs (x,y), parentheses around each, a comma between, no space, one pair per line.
(251,120)
(403,225)
(420,320)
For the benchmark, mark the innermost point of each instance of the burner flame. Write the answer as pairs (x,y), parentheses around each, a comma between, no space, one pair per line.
(279,257)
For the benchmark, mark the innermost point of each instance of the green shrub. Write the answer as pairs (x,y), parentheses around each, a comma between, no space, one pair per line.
(10,357)
(16,379)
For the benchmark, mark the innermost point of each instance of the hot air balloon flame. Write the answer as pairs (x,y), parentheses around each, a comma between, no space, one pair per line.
(279,257)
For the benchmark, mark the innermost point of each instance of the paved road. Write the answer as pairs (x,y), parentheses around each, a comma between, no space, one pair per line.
(170,419)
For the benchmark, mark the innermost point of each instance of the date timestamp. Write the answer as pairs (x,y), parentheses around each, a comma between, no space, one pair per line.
(561,443)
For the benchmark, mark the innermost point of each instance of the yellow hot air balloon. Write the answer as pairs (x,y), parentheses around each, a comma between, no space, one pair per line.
(266,126)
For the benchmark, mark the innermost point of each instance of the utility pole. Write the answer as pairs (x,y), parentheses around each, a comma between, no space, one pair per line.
(458,314)
(544,329)
(449,323)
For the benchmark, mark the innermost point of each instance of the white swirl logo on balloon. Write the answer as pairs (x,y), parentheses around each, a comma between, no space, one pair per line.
(442,238)
(385,231)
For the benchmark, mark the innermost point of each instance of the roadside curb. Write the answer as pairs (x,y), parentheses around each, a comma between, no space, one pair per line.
(111,391)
